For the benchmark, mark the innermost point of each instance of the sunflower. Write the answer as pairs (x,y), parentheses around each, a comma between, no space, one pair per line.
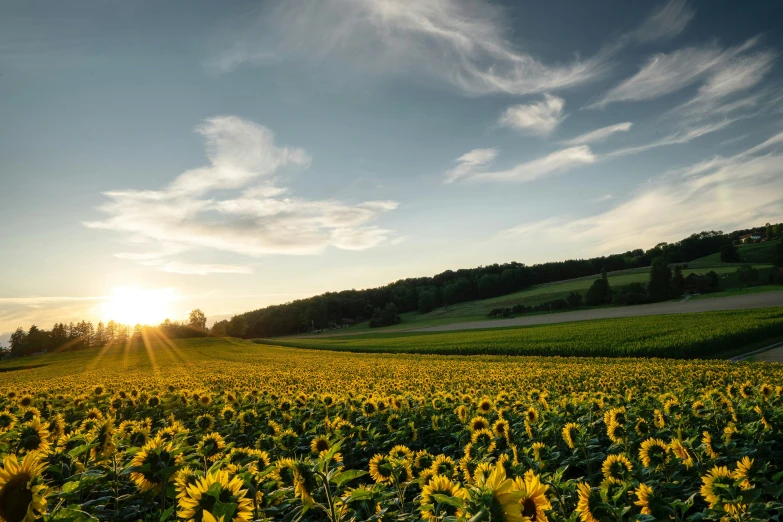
(296,474)
(717,475)
(402,452)
(205,422)
(423,460)
(33,436)
(211,447)
(501,428)
(439,485)
(531,415)
(203,495)
(654,453)
(533,502)
(483,439)
(93,414)
(56,426)
(642,428)
(742,472)
(570,432)
(22,492)
(617,468)
(504,499)
(103,436)
(699,409)
(681,452)
(319,444)
(462,413)
(478,423)
(650,503)
(444,465)
(7,421)
(381,469)
(538,447)
(484,405)
(708,447)
(616,432)
(589,505)
(185,478)
(157,458)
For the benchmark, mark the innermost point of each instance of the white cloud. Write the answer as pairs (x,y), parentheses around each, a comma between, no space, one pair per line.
(195,212)
(460,41)
(470,161)
(667,73)
(557,161)
(721,193)
(599,134)
(677,138)
(539,118)
(666,22)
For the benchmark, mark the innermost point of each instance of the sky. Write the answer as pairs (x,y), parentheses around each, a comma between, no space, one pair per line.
(232,155)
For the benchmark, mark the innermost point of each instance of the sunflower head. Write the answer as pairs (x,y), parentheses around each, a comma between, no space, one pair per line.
(33,436)
(213,490)
(617,468)
(22,492)
(533,502)
(654,453)
(319,444)
(431,508)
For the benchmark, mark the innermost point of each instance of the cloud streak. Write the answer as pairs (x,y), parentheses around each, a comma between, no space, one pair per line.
(599,135)
(469,170)
(195,212)
(723,71)
(459,41)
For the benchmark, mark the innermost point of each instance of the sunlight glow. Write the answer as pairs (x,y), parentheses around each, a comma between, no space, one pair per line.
(130,305)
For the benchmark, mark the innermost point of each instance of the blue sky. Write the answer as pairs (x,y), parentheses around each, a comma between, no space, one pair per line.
(248,154)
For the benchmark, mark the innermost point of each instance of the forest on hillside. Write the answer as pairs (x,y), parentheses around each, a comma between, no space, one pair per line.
(424,294)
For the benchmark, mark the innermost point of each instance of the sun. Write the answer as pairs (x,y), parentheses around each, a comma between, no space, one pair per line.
(131,305)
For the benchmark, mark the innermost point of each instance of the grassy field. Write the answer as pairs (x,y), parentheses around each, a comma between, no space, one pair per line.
(223,429)
(762,253)
(679,336)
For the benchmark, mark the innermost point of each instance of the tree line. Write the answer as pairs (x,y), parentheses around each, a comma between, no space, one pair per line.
(382,305)
(83,334)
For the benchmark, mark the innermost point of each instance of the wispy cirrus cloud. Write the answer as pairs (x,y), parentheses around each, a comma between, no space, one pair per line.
(459,41)
(668,21)
(599,135)
(721,193)
(722,71)
(195,212)
(469,170)
(538,118)
(676,138)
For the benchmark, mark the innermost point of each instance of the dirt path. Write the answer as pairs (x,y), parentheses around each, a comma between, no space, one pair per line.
(682,307)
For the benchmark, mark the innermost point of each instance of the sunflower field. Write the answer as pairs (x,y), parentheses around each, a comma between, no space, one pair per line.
(223,429)
(674,336)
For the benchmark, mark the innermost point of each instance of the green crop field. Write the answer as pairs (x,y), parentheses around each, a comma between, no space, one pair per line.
(676,336)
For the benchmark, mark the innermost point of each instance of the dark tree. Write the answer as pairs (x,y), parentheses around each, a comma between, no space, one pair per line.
(574,300)
(18,342)
(729,253)
(599,293)
(658,288)
(747,275)
(428,300)
(678,282)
